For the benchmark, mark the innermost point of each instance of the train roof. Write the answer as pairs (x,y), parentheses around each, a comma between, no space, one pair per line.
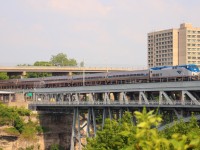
(160,67)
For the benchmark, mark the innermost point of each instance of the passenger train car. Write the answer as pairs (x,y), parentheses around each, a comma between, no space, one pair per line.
(155,74)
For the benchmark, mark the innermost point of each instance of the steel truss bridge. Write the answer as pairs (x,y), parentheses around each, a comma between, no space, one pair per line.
(174,100)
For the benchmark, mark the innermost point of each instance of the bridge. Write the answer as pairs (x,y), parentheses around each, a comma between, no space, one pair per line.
(57,70)
(174,100)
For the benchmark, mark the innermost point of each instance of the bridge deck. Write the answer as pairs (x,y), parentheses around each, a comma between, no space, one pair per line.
(165,86)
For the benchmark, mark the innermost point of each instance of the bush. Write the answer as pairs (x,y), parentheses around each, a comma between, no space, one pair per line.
(19,124)
(41,129)
(56,147)
(124,135)
(12,131)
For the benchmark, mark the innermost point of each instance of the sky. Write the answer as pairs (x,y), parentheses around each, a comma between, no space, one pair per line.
(110,33)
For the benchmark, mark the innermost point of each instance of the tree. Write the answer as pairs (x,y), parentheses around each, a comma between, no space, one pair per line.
(42,63)
(62,60)
(124,135)
(24,65)
(3,76)
(39,74)
(115,134)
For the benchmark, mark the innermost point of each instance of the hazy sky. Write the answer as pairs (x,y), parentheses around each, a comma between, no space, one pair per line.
(100,32)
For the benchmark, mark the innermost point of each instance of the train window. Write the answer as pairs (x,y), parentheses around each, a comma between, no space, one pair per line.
(156,75)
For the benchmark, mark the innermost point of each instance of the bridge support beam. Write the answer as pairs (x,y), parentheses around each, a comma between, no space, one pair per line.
(122,98)
(163,95)
(193,99)
(78,129)
(142,97)
(106,98)
(90,97)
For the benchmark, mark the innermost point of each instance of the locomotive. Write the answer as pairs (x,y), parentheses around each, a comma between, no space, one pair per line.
(155,74)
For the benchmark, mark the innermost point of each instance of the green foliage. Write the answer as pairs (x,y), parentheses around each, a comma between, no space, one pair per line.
(122,134)
(13,116)
(62,60)
(7,115)
(15,77)
(23,111)
(56,147)
(56,60)
(27,148)
(183,135)
(12,131)
(3,76)
(146,135)
(42,63)
(29,132)
(24,65)
(41,129)
(38,74)
(18,124)
(10,115)
(115,135)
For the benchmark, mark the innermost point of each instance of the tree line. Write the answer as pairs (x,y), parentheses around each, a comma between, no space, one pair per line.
(60,59)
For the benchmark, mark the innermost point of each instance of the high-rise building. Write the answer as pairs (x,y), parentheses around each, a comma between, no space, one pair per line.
(174,46)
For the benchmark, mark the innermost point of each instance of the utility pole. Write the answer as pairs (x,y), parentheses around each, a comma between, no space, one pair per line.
(83,74)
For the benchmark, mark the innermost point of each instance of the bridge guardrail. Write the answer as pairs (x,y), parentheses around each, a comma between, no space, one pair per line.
(177,102)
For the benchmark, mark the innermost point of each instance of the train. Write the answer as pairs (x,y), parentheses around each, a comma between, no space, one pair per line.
(154,74)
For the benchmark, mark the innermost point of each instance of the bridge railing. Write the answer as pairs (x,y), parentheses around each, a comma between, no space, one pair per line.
(176,102)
